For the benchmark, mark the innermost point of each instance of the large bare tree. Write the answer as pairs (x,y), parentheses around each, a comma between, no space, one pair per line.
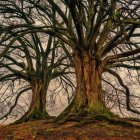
(34,59)
(102,35)
(34,62)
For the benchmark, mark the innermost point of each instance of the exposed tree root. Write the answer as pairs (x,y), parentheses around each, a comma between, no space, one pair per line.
(33,115)
(71,113)
(83,120)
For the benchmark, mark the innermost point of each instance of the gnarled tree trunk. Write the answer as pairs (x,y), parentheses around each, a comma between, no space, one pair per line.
(37,109)
(89,97)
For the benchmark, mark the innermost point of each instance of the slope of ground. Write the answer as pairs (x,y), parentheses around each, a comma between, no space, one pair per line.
(40,130)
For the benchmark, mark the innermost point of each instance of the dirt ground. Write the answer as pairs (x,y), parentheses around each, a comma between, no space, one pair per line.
(40,130)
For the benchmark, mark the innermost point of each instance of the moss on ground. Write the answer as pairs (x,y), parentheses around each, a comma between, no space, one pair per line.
(37,130)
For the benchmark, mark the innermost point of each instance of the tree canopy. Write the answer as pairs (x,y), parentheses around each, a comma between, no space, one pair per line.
(102,37)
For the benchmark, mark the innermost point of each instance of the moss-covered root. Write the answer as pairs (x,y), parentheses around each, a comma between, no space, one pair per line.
(33,115)
(83,120)
(116,120)
(84,115)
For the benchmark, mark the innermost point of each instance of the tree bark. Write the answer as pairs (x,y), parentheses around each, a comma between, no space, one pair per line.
(89,97)
(37,109)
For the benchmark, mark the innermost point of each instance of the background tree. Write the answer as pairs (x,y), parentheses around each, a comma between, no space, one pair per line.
(30,61)
(101,36)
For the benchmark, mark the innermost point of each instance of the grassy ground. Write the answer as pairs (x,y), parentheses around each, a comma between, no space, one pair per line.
(40,130)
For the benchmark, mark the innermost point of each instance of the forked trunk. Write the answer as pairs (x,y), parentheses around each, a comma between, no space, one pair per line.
(89,97)
(37,109)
